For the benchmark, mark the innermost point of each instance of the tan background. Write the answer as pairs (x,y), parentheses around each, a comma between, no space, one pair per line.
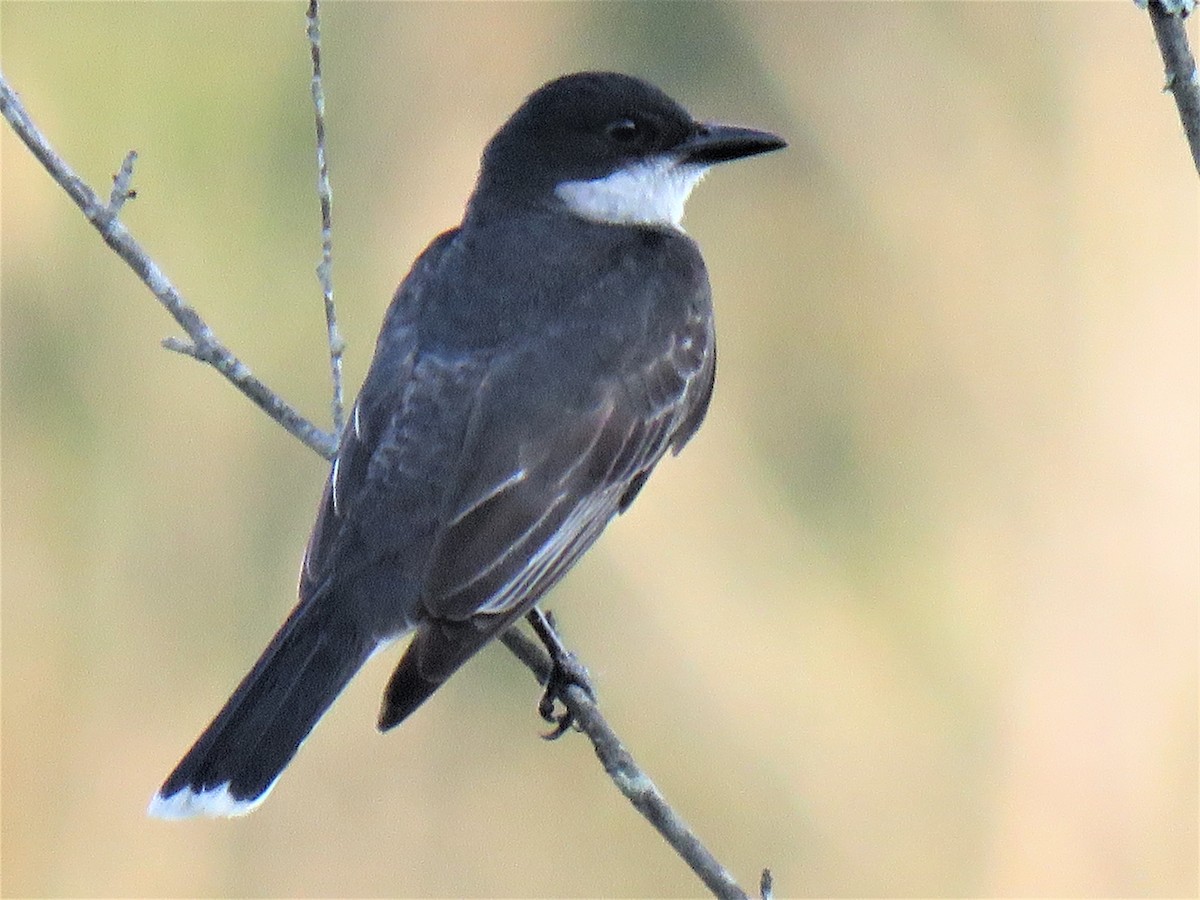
(915,613)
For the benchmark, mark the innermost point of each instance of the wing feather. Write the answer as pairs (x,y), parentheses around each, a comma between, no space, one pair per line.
(510,540)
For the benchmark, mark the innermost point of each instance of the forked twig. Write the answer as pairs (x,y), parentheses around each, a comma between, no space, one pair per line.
(103,216)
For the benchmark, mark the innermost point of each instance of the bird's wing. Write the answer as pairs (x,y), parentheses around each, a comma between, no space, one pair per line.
(385,496)
(385,500)
(534,504)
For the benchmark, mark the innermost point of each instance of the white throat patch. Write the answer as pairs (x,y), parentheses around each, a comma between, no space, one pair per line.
(648,192)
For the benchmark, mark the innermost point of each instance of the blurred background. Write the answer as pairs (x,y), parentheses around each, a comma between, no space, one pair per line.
(915,614)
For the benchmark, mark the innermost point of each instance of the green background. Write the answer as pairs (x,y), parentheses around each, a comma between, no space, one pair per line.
(915,614)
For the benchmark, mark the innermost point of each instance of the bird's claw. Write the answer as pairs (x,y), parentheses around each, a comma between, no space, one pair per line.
(567,671)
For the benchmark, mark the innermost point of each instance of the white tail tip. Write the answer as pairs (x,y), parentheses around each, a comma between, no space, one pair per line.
(215,803)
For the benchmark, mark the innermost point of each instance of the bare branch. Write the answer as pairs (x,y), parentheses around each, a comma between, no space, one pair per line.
(103,217)
(1182,79)
(626,774)
(325,270)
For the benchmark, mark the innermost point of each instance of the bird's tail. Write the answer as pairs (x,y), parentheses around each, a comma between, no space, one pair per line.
(236,761)
(437,651)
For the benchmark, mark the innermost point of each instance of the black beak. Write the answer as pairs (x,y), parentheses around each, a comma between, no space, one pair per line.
(712,143)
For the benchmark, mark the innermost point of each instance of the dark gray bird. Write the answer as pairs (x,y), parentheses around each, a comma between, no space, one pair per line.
(533,368)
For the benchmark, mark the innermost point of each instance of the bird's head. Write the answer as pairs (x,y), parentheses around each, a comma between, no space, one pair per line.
(609,148)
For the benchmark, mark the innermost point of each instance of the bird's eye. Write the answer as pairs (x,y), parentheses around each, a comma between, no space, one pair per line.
(624,131)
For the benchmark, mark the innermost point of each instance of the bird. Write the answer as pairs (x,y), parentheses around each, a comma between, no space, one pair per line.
(532,369)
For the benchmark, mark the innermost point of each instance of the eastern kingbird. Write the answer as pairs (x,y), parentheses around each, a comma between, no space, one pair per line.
(533,368)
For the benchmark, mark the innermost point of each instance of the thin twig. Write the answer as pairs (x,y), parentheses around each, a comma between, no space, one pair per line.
(325,270)
(121,190)
(1182,79)
(626,774)
(103,217)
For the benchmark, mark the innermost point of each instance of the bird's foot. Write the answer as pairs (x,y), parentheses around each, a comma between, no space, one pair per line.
(565,671)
